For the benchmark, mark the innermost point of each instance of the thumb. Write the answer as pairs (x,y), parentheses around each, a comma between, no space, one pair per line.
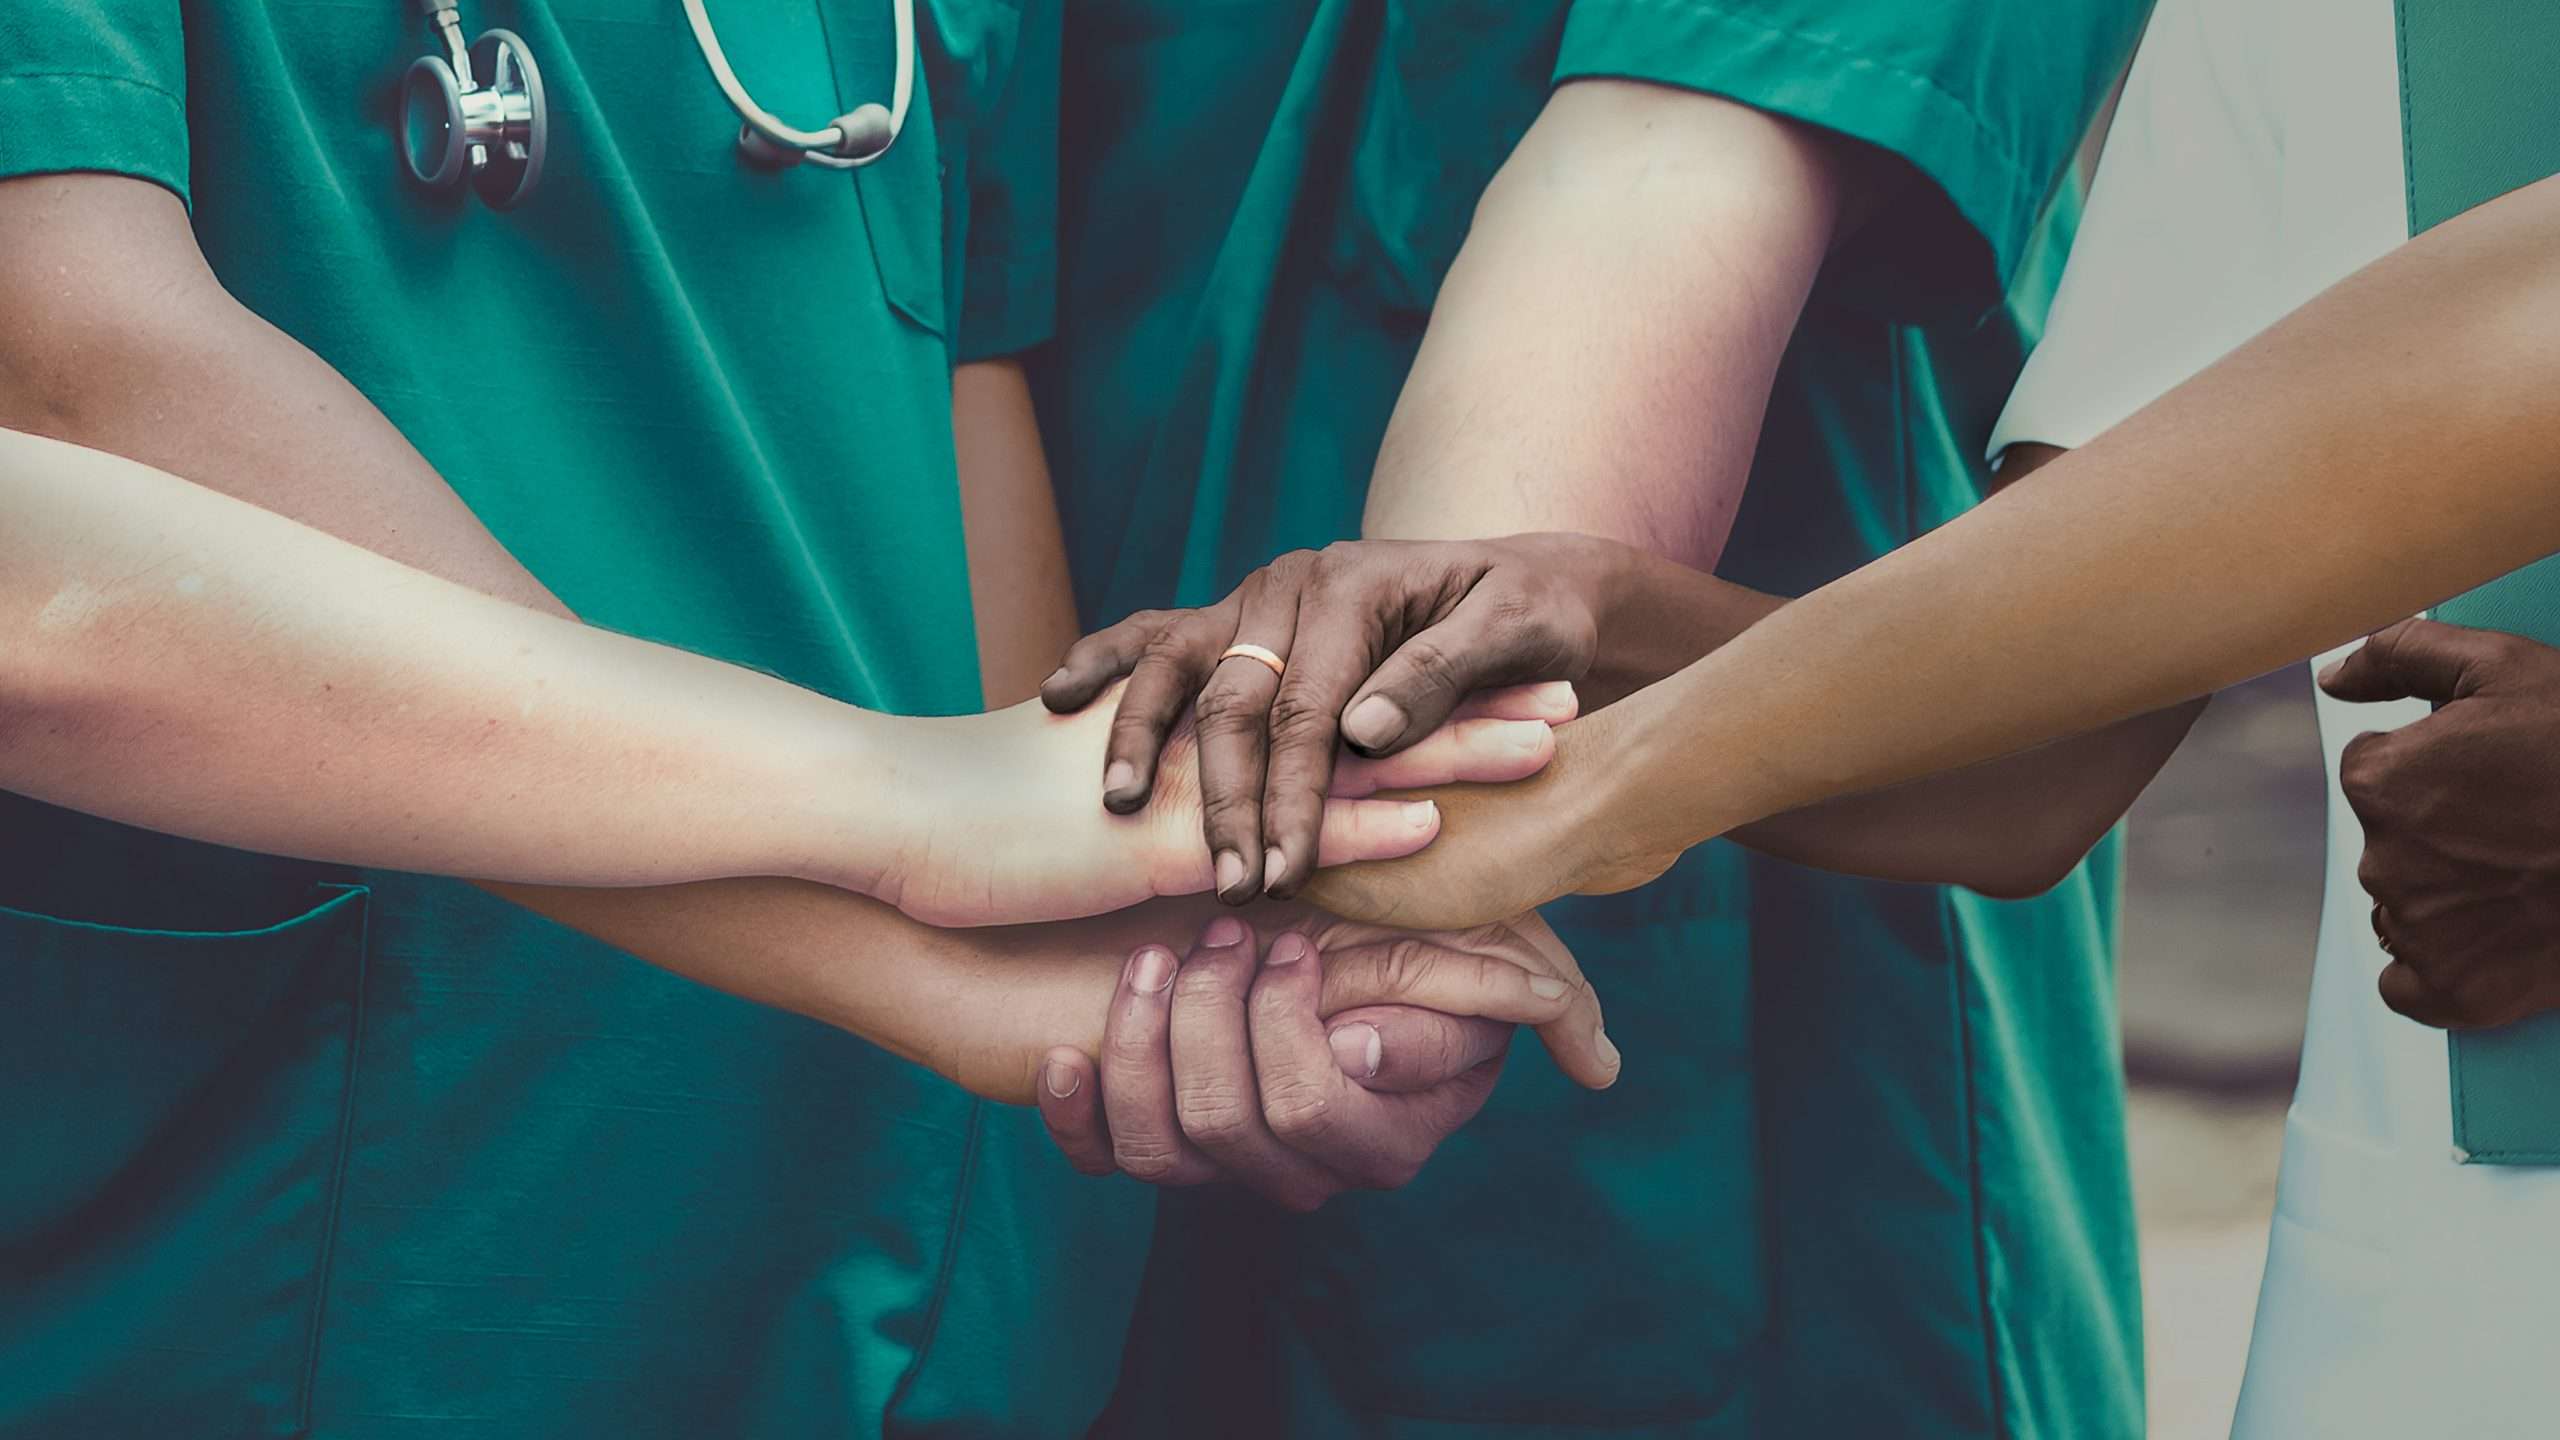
(2415,659)
(1401,1048)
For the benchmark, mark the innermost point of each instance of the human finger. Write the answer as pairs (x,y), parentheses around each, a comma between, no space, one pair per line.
(2415,659)
(1489,752)
(1554,701)
(1168,675)
(1395,1049)
(1137,1077)
(1356,830)
(1215,1090)
(1401,968)
(1308,1103)
(1232,718)
(1070,1100)
(2411,994)
(1493,637)
(1339,640)
(1093,662)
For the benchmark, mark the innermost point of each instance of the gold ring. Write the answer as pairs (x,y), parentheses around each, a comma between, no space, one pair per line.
(1255,652)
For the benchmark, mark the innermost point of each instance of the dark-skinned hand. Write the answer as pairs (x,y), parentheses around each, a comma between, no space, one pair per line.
(1384,640)
(2461,814)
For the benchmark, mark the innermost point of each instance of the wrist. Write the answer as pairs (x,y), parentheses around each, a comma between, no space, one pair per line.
(862,787)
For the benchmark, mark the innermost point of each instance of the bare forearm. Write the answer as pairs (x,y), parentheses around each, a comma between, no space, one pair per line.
(289,692)
(2388,445)
(2009,826)
(1600,355)
(1018,585)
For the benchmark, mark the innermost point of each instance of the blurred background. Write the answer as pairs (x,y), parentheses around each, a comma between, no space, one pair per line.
(2223,858)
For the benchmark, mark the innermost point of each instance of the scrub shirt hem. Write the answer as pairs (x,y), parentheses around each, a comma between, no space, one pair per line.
(60,122)
(1972,171)
(1009,305)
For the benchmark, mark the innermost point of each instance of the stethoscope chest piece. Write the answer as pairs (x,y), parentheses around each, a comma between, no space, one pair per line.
(478,113)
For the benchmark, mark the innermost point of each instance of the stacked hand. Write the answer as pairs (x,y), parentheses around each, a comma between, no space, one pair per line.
(1381,643)
(1290,1076)
(1016,837)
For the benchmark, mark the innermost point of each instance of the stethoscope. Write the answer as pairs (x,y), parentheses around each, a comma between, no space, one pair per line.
(477,110)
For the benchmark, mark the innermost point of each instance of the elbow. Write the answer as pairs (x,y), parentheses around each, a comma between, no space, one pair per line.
(2031,866)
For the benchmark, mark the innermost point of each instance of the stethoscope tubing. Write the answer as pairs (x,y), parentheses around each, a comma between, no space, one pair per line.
(822,147)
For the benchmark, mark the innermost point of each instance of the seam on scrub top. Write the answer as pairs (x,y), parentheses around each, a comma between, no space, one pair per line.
(145,86)
(2009,159)
(950,1260)
(1958,966)
(2408,138)
(338,1169)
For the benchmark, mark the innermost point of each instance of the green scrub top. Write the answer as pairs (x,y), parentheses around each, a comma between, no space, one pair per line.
(304,1151)
(1865,1172)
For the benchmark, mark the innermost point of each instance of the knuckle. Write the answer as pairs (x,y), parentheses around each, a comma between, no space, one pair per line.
(1126,1051)
(1406,966)
(1208,980)
(1213,1115)
(2373,873)
(1296,720)
(1299,1111)
(1432,664)
(2365,768)
(1147,1158)
(1443,1052)
(1225,709)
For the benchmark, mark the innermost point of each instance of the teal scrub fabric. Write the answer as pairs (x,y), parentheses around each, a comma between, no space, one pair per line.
(1865,1173)
(298,1151)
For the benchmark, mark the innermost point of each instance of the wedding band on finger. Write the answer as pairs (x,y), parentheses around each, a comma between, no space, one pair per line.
(1242,650)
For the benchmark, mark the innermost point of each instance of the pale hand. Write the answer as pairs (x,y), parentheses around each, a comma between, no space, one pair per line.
(1009,832)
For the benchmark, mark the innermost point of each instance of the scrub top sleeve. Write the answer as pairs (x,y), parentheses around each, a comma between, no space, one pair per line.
(2176,258)
(94,85)
(1008,294)
(1986,100)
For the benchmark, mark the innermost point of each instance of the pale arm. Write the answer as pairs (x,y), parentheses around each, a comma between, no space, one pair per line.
(1018,588)
(1601,354)
(288,692)
(291,691)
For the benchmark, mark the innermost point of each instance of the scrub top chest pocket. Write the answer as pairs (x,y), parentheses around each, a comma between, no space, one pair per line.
(174,1105)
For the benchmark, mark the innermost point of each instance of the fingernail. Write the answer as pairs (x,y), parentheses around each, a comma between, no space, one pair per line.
(1230,872)
(1356,1049)
(1054,677)
(1375,723)
(2330,671)
(1419,814)
(1061,1080)
(1119,775)
(1150,970)
(1289,949)
(1525,737)
(1222,933)
(1608,1048)
(1556,695)
(1546,987)
(1275,863)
